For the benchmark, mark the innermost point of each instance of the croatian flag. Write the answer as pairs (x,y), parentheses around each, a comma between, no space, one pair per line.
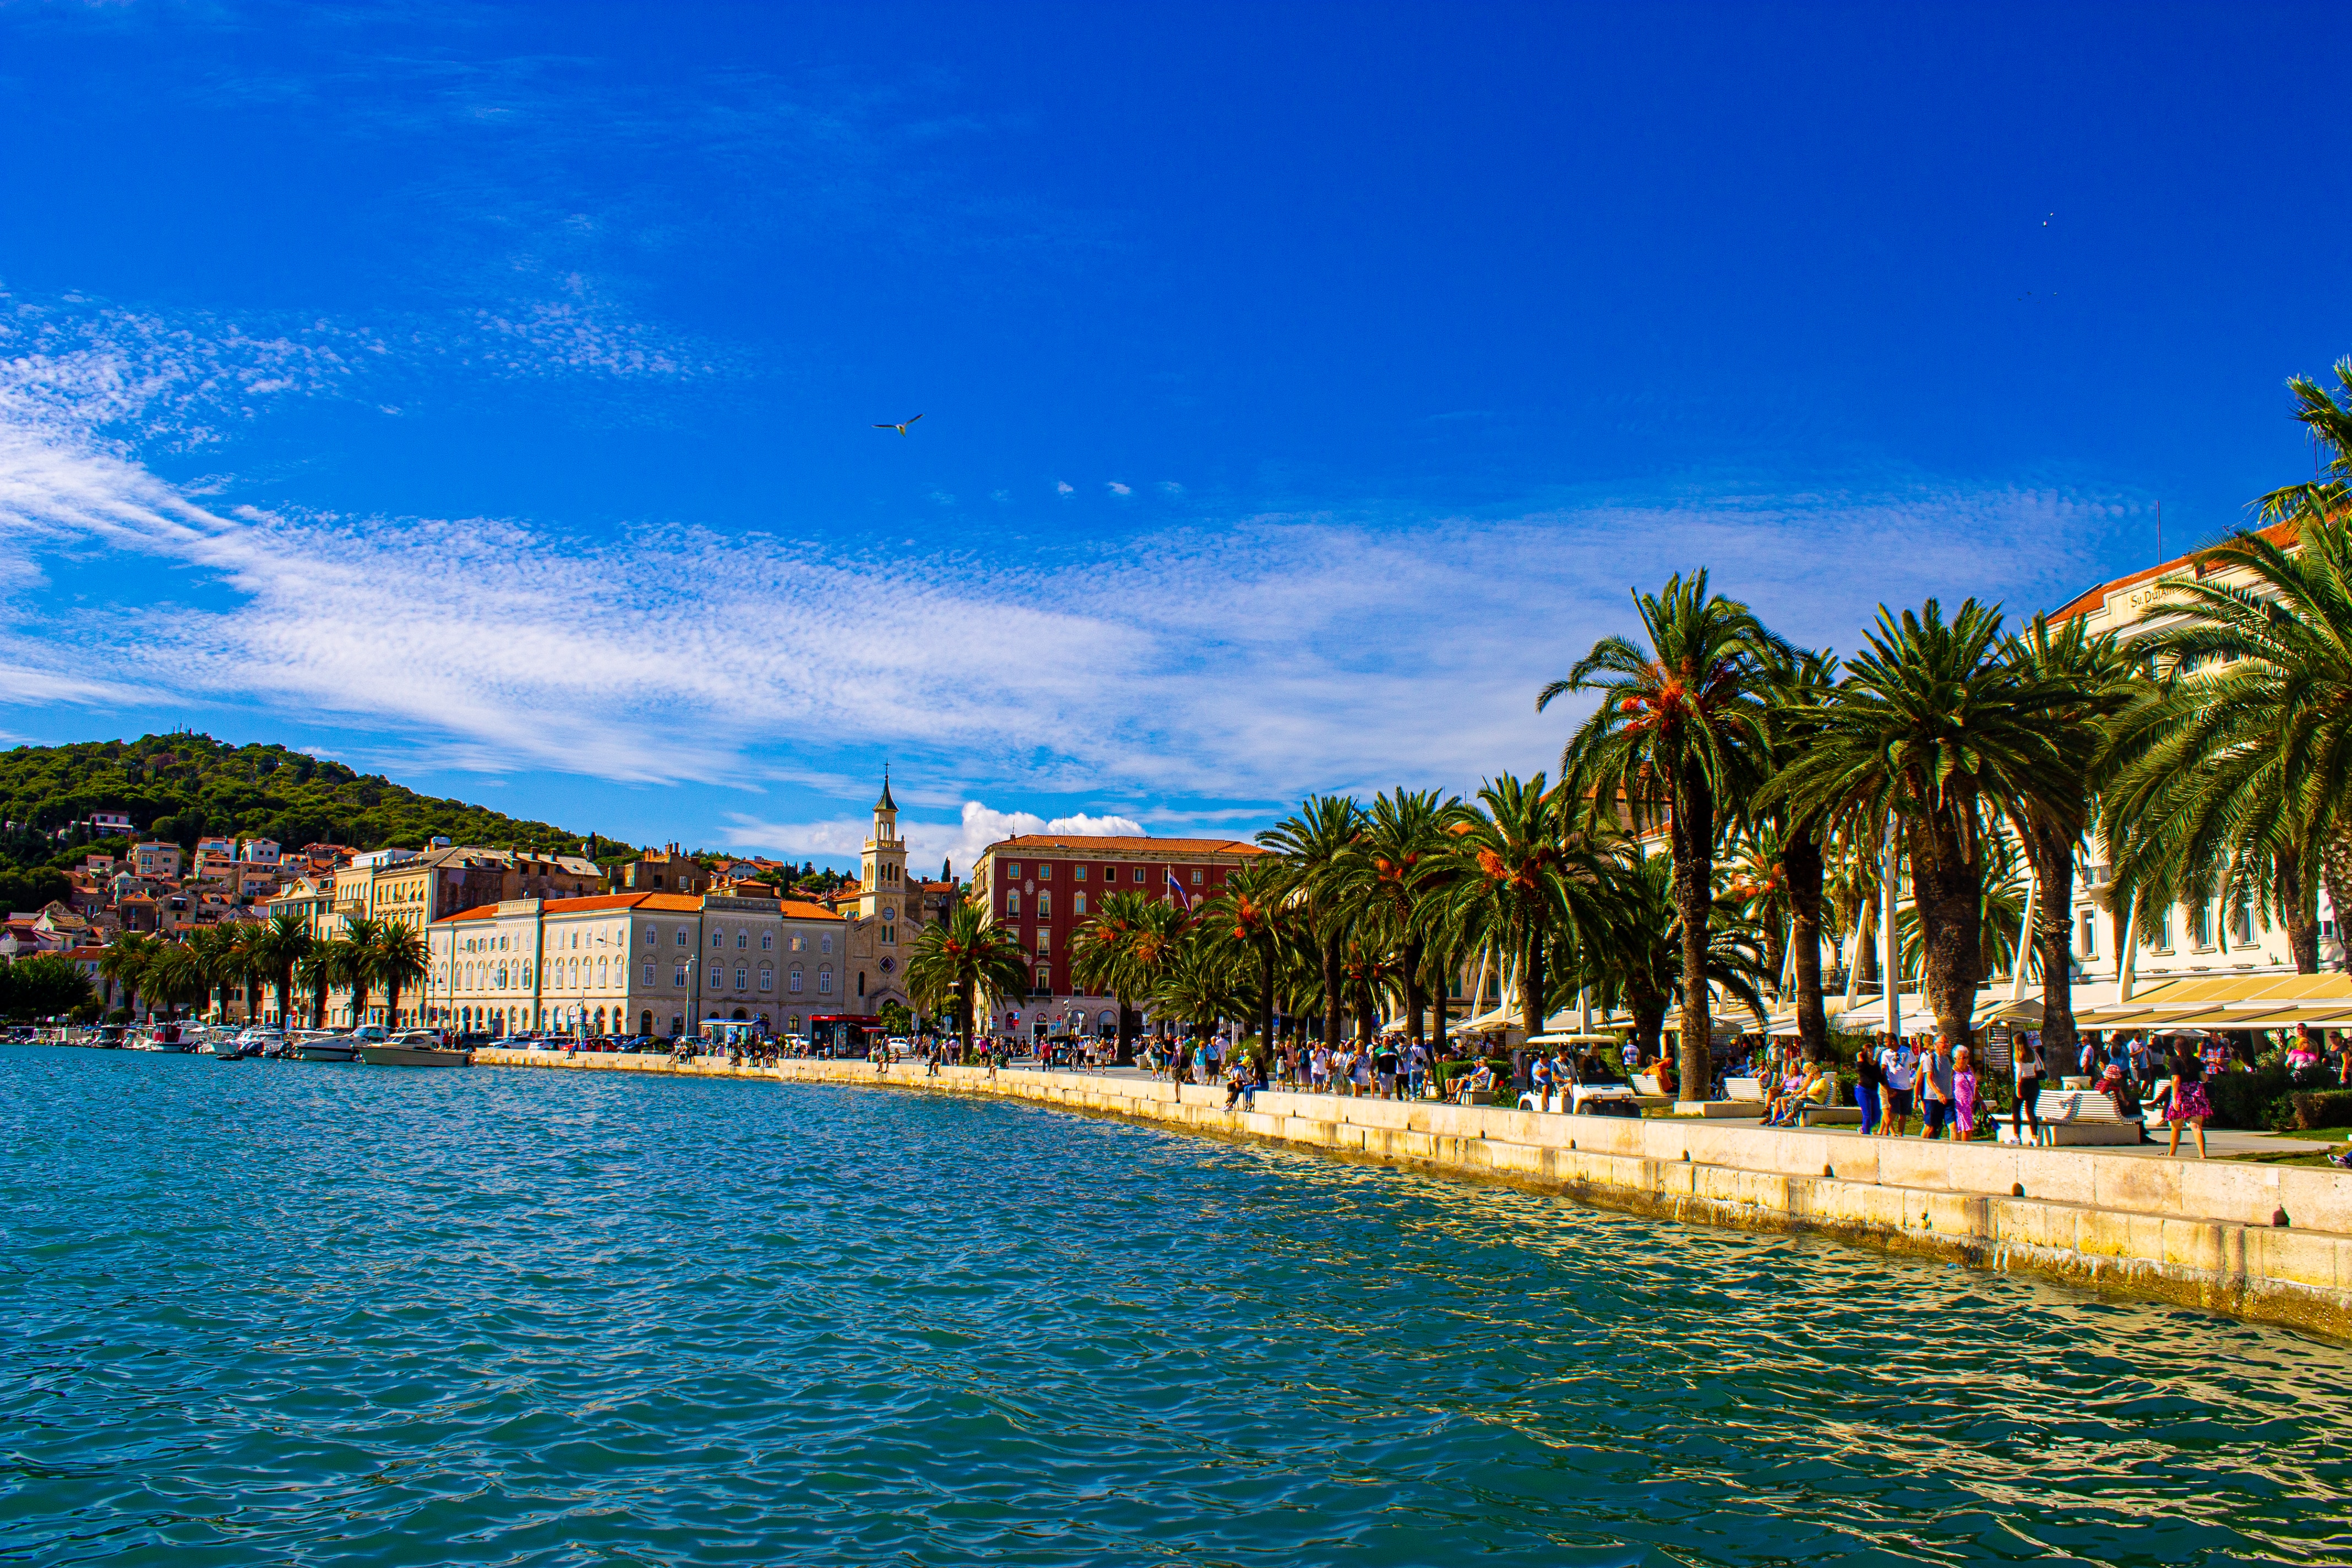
(1176,891)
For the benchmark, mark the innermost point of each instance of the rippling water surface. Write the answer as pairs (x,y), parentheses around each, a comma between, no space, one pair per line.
(264,1312)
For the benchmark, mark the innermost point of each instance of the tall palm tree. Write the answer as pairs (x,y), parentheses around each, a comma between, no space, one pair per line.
(1796,682)
(1247,914)
(1312,842)
(2235,768)
(1680,733)
(2052,818)
(124,965)
(283,943)
(1100,958)
(1391,879)
(316,968)
(1934,732)
(354,962)
(215,953)
(1530,876)
(963,957)
(397,960)
(1196,981)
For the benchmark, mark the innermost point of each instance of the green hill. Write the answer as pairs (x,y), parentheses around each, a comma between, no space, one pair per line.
(182,788)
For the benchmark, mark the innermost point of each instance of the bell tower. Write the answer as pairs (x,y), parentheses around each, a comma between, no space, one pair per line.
(882,867)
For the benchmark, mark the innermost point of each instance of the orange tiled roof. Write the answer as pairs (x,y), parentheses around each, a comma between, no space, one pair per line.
(1077,844)
(2279,534)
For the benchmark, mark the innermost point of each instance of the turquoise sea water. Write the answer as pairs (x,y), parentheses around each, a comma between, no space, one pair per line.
(262,1312)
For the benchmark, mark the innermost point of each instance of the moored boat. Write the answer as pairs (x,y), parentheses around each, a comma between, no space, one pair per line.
(322,1045)
(419,1049)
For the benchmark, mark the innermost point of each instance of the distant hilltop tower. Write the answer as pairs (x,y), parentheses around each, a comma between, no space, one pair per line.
(882,866)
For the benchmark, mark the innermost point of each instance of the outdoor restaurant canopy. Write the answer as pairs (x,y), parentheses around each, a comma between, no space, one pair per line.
(2220,1002)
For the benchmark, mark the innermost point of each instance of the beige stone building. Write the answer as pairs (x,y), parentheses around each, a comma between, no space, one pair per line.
(636,963)
(2202,939)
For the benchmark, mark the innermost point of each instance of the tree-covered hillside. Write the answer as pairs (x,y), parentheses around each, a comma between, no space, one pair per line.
(182,788)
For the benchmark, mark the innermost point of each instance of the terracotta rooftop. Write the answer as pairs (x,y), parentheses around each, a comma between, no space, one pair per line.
(1081,845)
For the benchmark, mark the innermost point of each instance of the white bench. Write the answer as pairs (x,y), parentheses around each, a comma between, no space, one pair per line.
(2073,1118)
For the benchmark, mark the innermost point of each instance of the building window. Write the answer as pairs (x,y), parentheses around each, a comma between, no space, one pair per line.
(767,941)
(681,936)
(718,939)
(1139,873)
(889,936)
(796,980)
(1045,981)
(649,972)
(800,941)
(1078,905)
(1077,873)
(2241,925)
(824,982)
(1196,882)
(2201,927)
(1045,870)
(767,978)
(742,980)
(825,943)
(678,976)
(1045,940)
(1013,902)
(1045,906)
(1014,869)
(2163,943)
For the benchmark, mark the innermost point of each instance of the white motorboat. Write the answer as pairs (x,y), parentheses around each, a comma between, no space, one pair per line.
(416,1048)
(326,1046)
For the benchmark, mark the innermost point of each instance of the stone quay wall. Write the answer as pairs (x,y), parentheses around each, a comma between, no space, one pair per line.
(2264,1242)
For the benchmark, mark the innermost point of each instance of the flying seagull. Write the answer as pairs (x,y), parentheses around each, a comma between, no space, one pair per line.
(900,428)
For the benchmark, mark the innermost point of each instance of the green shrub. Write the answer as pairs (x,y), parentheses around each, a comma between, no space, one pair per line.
(2254,1099)
(2322,1108)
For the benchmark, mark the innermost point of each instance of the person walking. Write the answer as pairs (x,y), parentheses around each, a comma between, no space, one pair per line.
(1964,1095)
(1867,1078)
(2188,1102)
(1936,1089)
(2025,1062)
(1416,1062)
(1899,1069)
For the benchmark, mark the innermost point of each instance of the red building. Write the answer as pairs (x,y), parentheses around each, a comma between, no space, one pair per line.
(1044,886)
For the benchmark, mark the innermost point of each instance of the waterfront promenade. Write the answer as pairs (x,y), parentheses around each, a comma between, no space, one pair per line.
(2264,1242)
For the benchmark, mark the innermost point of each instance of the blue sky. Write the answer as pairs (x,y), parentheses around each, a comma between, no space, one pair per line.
(483,394)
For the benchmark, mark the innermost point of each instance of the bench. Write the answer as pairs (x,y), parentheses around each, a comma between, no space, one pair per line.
(2072,1118)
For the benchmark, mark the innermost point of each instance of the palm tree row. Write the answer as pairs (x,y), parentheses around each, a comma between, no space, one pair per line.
(1733,804)
(281,954)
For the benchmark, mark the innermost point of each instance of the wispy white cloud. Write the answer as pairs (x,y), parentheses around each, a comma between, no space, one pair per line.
(1118,488)
(1064,488)
(1245,661)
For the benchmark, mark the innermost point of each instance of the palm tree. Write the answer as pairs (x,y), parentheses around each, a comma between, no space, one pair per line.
(282,945)
(2236,768)
(317,967)
(1528,880)
(124,965)
(1934,736)
(1680,733)
(1194,982)
(1099,959)
(176,976)
(1797,682)
(397,960)
(2052,818)
(963,956)
(217,959)
(1247,914)
(1312,843)
(353,953)
(1391,880)
(2329,420)
(1636,954)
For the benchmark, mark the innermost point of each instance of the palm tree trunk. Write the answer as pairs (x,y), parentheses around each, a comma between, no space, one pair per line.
(392,1003)
(2297,913)
(1413,997)
(1440,1014)
(1948,895)
(1800,856)
(1331,993)
(1693,844)
(964,996)
(284,986)
(1266,999)
(1533,982)
(2050,847)
(2335,876)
